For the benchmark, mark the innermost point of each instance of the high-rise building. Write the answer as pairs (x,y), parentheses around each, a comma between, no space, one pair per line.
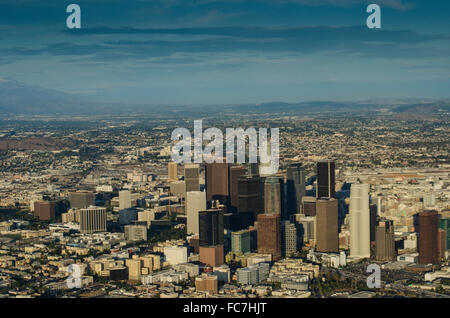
(45,210)
(81,199)
(274,196)
(241,241)
(234,173)
(124,199)
(238,221)
(249,194)
(288,238)
(195,202)
(444,224)
(373,221)
(385,241)
(216,180)
(269,235)
(306,229)
(441,244)
(295,187)
(172,171)
(359,221)
(211,227)
(327,235)
(211,237)
(93,219)
(192,177)
(326,187)
(428,237)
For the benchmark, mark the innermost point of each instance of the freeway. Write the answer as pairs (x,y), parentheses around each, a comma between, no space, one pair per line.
(395,286)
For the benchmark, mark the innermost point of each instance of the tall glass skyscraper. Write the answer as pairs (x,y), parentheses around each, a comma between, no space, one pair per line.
(326,183)
(295,187)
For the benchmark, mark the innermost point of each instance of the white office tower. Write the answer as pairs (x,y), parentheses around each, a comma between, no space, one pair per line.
(124,199)
(195,202)
(359,221)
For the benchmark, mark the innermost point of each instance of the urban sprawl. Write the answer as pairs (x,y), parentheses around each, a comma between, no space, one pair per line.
(95,207)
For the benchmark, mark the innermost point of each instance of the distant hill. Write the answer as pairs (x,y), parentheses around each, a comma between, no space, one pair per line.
(302,107)
(20,98)
(423,108)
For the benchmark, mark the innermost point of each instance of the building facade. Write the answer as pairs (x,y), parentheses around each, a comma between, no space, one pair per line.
(269,235)
(327,236)
(359,221)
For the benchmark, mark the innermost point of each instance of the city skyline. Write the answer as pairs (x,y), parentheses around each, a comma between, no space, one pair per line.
(113,179)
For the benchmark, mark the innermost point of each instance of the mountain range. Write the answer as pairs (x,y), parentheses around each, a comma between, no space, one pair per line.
(24,99)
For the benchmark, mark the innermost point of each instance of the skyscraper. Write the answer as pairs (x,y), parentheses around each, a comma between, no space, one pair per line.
(428,237)
(249,194)
(217,182)
(288,238)
(234,173)
(191,177)
(295,187)
(93,219)
(373,221)
(359,221)
(269,235)
(384,241)
(211,227)
(326,179)
(211,237)
(274,196)
(306,229)
(172,171)
(327,236)
(195,202)
(441,244)
(444,224)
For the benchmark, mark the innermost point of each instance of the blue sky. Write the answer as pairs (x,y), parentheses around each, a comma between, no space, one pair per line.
(235,51)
